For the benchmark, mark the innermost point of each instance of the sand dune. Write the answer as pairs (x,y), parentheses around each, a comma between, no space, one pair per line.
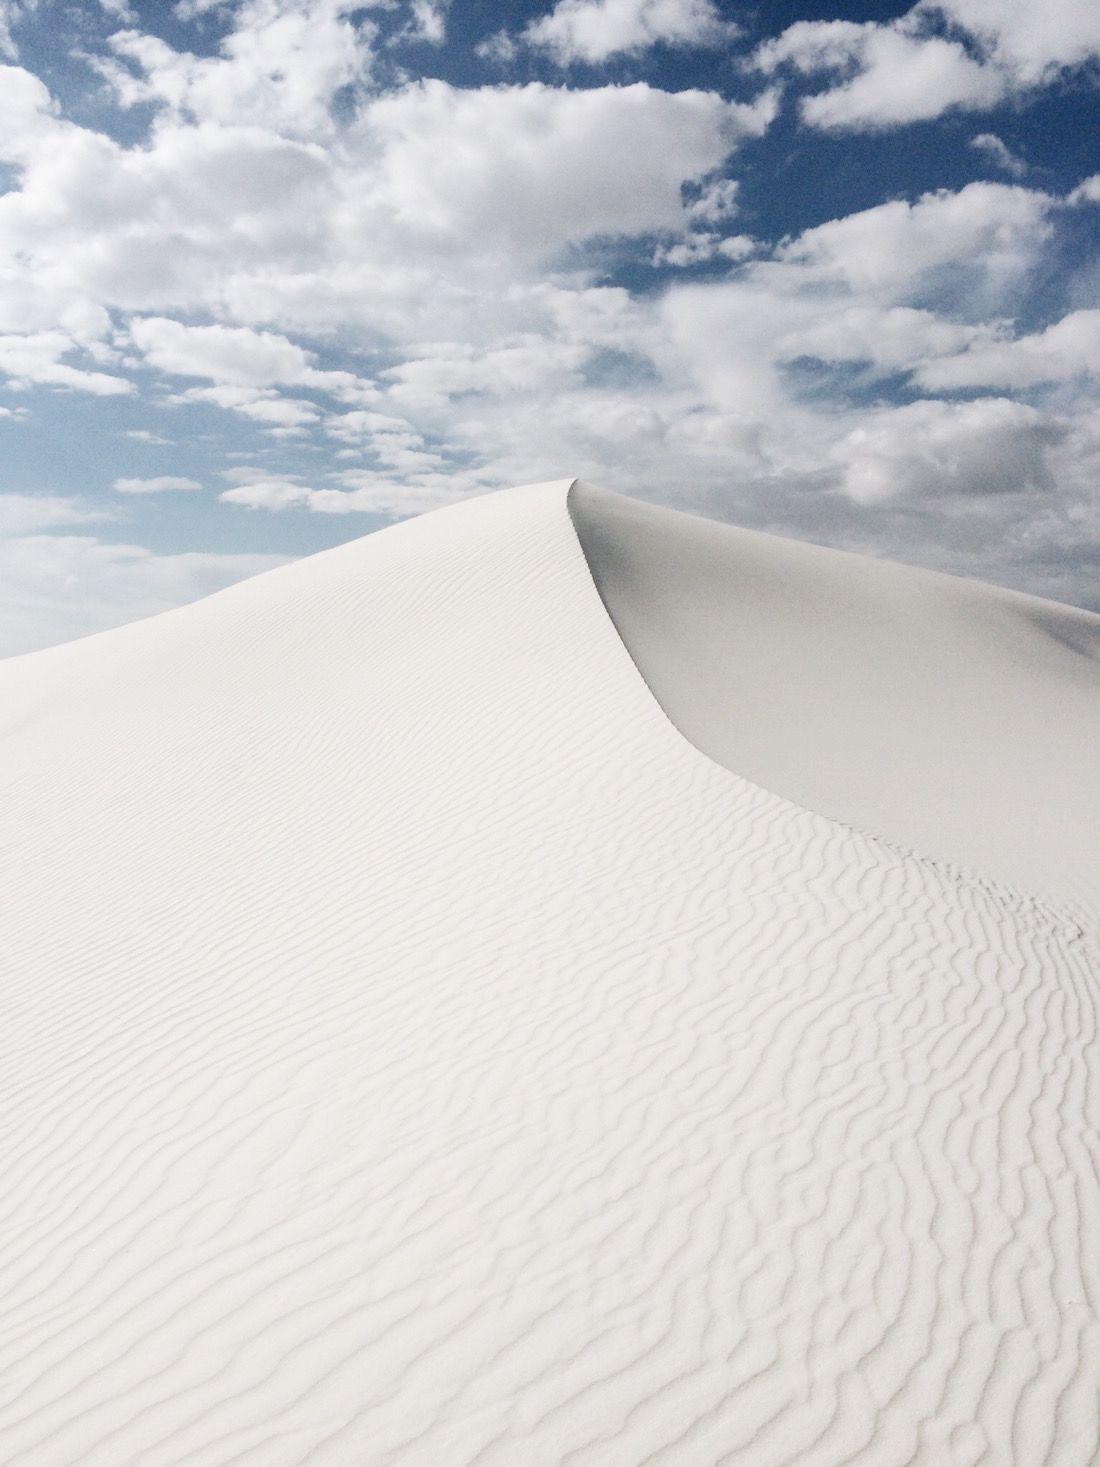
(419,1047)
(957,719)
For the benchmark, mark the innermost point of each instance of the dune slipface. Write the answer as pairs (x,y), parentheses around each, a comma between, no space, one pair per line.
(416,1051)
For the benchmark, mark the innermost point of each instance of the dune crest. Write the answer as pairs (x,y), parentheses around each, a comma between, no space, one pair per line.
(954,718)
(414,1050)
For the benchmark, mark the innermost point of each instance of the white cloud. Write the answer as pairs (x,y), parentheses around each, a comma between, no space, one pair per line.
(273,494)
(231,354)
(536,167)
(1032,43)
(595,30)
(161,484)
(382,494)
(27,114)
(282,415)
(1086,192)
(905,79)
(933,449)
(434,218)
(36,359)
(182,9)
(699,248)
(365,491)
(23,514)
(56,587)
(427,22)
(247,473)
(389,440)
(1067,349)
(11,13)
(499,49)
(894,337)
(999,228)
(516,368)
(909,69)
(893,289)
(719,340)
(812,45)
(280,66)
(997,152)
(242,365)
(93,224)
(717,201)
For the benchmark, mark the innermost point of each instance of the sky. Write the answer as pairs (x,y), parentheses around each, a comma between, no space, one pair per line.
(275,273)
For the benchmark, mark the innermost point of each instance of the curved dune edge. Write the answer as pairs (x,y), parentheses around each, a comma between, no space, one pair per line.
(413,1050)
(940,715)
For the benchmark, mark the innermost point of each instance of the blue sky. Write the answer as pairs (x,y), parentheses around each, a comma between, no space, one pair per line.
(274,273)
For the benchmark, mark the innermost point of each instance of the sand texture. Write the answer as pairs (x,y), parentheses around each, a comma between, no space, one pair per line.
(415,1050)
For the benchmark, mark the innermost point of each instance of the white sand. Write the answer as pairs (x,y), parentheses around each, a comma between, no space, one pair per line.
(955,718)
(414,1050)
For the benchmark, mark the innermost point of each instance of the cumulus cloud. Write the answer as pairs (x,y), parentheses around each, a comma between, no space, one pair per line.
(228,354)
(435,195)
(897,76)
(282,416)
(27,114)
(883,291)
(592,31)
(93,225)
(933,449)
(37,358)
(56,587)
(244,367)
(161,484)
(999,228)
(1067,349)
(273,494)
(22,514)
(916,67)
(701,247)
(281,66)
(427,22)
(893,337)
(371,492)
(1031,43)
(453,369)
(715,202)
(997,152)
(535,167)
(367,492)
(237,356)
(55,584)
(1087,192)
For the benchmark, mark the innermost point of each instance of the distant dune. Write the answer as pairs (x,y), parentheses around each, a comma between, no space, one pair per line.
(554,981)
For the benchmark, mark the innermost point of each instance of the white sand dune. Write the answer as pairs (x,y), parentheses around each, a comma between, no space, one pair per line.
(419,1049)
(957,719)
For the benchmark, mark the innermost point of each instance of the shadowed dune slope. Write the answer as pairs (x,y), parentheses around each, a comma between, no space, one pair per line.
(415,1051)
(957,718)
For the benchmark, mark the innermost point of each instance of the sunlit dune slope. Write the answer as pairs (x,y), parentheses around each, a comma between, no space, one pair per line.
(423,1041)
